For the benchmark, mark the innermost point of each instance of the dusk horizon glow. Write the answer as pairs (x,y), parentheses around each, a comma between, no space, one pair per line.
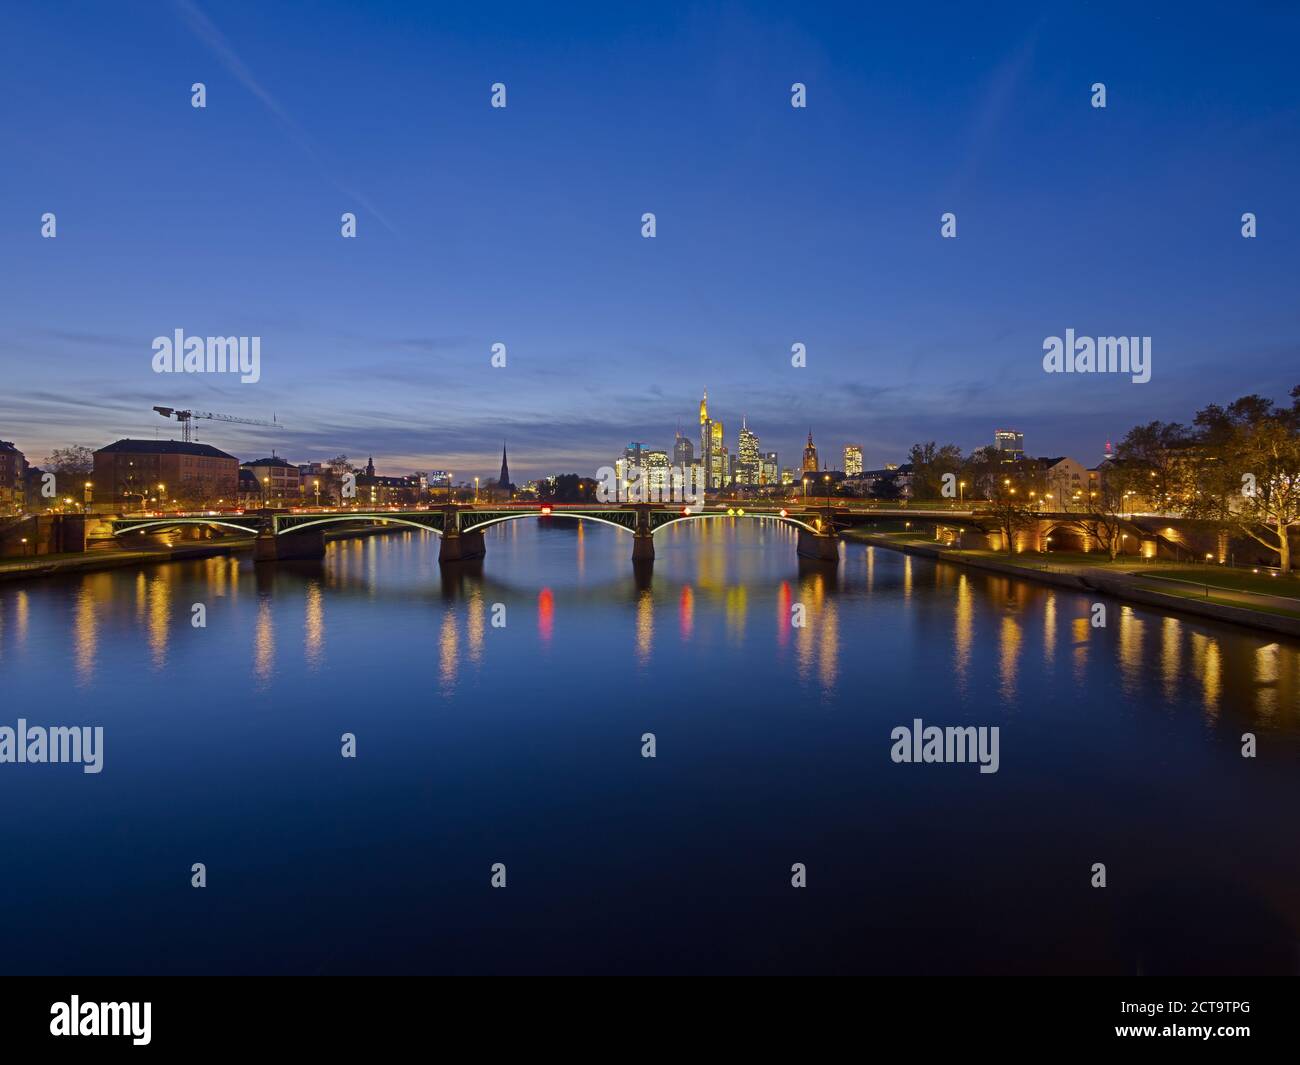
(521,226)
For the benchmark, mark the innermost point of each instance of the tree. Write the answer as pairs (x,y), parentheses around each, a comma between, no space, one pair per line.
(886,488)
(981,471)
(1159,456)
(1013,503)
(568,488)
(74,461)
(929,463)
(1248,476)
(1105,519)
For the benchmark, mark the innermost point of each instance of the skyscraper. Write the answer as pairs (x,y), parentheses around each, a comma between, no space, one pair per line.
(706,440)
(852,460)
(810,455)
(719,466)
(1010,443)
(748,463)
(657,474)
(683,451)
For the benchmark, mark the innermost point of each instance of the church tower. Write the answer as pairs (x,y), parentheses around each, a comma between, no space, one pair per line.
(810,455)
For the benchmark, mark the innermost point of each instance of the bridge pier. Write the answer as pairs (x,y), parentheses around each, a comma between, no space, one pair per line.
(643,544)
(461,546)
(824,547)
(308,544)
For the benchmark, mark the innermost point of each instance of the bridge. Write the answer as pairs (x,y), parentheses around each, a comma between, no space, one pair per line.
(299,533)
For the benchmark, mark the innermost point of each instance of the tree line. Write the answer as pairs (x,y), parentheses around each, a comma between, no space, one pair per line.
(1236,466)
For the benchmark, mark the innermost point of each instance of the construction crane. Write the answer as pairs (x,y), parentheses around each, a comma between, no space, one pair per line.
(186,417)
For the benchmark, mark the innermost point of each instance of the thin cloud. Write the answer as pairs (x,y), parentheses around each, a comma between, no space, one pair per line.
(206,31)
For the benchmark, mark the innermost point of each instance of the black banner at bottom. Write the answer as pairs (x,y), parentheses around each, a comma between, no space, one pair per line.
(342,1014)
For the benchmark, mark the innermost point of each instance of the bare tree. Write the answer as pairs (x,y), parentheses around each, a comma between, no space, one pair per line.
(1105,521)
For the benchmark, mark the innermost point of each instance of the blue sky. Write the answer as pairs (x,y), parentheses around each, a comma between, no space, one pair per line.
(522,225)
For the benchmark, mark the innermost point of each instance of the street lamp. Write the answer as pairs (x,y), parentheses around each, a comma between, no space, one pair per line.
(316,486)
(475,489)
(961,491)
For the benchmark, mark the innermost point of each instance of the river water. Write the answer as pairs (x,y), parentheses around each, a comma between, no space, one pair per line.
(521,743)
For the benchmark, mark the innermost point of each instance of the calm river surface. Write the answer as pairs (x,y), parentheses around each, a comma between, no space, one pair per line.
(522,745)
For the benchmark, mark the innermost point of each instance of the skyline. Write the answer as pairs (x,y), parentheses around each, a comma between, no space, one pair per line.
(830,453)
(775,226)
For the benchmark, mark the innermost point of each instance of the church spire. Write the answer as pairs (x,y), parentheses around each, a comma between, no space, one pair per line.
(505,468)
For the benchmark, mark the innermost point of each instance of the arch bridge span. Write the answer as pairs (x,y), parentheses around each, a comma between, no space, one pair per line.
(300,534)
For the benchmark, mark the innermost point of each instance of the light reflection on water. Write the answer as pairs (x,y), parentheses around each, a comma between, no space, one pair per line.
(1111,736)
(699,569)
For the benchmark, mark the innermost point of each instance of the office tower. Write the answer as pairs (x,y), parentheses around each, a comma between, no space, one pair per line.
(1010,443)
(657,474)
(706,442)
(748,463)
(852,460)
(683,451)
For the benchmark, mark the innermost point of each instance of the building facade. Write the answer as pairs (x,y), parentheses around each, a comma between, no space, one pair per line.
(281,481)
(1011,443)
(13,470)
(138,472)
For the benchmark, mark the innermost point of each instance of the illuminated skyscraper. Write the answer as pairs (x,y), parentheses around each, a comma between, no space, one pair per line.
(706,442)
(657,474)
(719,466)
(748,463)
(1010,443)
(852,460)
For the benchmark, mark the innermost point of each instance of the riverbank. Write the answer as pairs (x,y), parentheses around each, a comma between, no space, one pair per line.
(17,569)
(1132,581)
